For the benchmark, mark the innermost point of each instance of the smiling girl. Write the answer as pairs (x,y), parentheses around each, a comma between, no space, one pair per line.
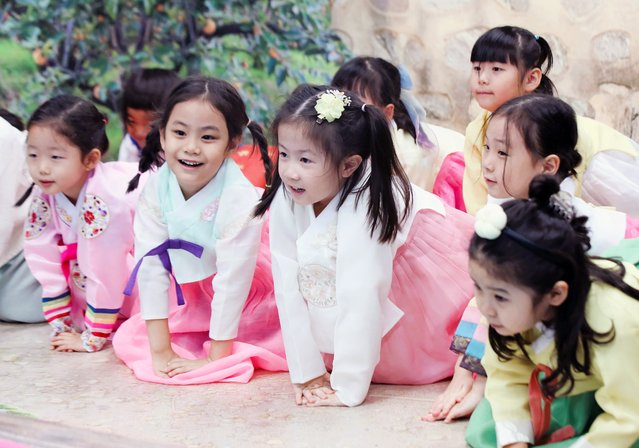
(207,312)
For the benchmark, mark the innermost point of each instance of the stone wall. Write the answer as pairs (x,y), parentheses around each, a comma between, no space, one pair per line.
(595,44)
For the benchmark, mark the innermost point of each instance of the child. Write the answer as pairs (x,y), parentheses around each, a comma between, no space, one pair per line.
(79,228)
(527,136)
(563,328)
(194,224)
(369,271)
(420,147)
(20,293)
(508,62)
(143,97)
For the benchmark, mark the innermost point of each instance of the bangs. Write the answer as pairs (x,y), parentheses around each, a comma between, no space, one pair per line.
(495,47)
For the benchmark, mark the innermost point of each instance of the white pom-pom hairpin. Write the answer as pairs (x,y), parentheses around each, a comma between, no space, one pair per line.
(490,221)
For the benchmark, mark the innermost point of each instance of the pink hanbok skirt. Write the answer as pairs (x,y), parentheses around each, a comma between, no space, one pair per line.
(258,345)
(432,287)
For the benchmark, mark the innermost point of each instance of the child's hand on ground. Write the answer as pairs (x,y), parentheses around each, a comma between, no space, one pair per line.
(160,362)
(457,389)
(310,391)
(323,399)
(67,341)
(468,404)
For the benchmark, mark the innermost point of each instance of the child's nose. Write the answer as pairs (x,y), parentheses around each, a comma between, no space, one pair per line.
(483,76)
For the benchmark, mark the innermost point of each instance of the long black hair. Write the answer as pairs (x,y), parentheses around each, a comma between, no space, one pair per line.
(519,47)
(547,125)
(359,131)
(379,80)
(74,118)
(220,95)
(559,253)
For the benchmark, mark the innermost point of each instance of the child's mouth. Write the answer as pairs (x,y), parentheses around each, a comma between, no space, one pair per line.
(190,163)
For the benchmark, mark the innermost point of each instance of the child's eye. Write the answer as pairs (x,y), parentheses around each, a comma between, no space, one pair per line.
(209,138)
(485,148)
(502,153)
(500,299)
(476,68)
(283,155)
(305,160)
(54,157)
(497,69)
(179,132)
(32,155)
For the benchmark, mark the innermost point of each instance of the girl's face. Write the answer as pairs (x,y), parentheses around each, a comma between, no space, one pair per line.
(495,83)
(307,174)
(195,143)
(509,308)
(508,171)
(138,124)
(55,164)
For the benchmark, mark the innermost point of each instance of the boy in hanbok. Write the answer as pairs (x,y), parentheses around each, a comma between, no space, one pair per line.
(208,312)
(79,228)
(369,271)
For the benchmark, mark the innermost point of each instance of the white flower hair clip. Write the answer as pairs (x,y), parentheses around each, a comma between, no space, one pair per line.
(490,221)
(330,105)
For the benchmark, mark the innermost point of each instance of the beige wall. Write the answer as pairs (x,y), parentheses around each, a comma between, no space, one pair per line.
(595,44)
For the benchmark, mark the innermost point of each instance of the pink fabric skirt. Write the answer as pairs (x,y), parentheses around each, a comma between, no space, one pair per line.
(449,181)
(258,345)
(432,287)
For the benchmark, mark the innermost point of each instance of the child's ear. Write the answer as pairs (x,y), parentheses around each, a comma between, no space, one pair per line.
(389,111)
(349,165)
(162,133)
(92,159)
(551,164)
(532,79)
(558,293)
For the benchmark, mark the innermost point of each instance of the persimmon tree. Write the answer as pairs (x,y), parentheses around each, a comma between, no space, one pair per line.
(264,47)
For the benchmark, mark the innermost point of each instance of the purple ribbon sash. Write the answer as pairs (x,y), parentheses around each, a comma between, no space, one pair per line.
(163,253)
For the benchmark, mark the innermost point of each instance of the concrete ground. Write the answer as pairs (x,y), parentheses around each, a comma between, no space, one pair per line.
(50,399)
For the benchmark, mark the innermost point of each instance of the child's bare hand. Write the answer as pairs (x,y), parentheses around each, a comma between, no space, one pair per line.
(304,394)
(324,399)
(468,404)
(67,342)
(178,365)
(160,362)
(457,389)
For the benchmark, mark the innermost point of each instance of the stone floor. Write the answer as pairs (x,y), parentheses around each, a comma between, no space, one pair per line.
(92,400)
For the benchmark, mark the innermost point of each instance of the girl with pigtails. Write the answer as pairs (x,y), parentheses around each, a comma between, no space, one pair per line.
(370,272)
(208,312)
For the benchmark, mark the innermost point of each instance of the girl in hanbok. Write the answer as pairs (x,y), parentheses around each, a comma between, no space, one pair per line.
(79,228)
(508,62)
(370,272)
(563,329)
(207,312)
(529,135)
(420,146)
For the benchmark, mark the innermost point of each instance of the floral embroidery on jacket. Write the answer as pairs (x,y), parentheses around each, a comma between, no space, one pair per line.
(37,219)
(209,212)
(94,216)
(317,285)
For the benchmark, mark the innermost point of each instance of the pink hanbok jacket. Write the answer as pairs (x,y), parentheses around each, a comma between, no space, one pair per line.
(82,254)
